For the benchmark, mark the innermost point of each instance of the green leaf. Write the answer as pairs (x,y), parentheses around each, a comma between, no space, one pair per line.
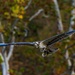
(1,58)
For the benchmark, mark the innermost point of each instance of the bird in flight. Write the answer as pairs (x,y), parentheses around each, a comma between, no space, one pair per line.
(44,45)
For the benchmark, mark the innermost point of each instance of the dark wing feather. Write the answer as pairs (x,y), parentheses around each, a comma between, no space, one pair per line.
(57,38)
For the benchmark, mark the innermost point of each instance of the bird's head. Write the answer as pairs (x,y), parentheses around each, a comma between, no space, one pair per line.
(41,46)
(45,49)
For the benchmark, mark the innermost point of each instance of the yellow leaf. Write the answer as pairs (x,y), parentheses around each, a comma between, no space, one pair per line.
(20,16)
(15,9)
(6,13)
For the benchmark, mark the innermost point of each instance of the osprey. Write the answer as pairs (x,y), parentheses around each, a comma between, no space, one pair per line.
(44,45)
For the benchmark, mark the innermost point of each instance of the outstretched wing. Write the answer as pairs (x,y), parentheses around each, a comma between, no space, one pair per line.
(47,42)
(57,38)
(18,43)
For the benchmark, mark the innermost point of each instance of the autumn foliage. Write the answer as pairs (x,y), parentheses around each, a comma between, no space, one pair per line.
(28,60)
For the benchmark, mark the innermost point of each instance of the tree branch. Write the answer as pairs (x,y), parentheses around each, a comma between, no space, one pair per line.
(27,6)
(4,64)
(72,21)
(60,25)
(37,13)
(67,58)
(11,48)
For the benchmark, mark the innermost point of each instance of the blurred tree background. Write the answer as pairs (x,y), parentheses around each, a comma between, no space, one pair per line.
(28,60)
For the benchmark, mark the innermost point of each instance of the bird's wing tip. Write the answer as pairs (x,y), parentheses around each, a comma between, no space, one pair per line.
(71,32)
